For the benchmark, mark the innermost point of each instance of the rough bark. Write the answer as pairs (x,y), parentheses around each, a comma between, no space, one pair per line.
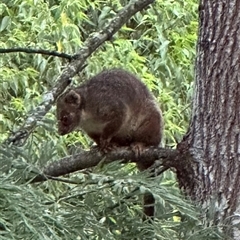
(213,138)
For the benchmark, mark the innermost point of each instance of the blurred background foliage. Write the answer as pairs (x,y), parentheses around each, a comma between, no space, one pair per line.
(158,45)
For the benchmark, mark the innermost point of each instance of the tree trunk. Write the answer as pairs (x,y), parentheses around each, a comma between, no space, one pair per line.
(213,139)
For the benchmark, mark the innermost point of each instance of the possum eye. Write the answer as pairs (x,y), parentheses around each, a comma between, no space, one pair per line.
(65,120)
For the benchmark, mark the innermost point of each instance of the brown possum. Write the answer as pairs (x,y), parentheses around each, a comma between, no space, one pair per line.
(114,108)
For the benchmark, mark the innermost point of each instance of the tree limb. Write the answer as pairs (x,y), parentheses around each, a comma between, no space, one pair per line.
(75,66)
(166,158)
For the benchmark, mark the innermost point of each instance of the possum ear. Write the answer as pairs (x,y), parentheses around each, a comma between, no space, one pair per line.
(73,97)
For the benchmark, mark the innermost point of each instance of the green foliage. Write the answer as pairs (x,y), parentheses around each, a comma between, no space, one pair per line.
(158,45)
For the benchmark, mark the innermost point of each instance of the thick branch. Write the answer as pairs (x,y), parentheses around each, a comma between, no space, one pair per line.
(167,158)
(75,66)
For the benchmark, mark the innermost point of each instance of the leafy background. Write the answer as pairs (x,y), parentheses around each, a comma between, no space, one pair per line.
(158,45)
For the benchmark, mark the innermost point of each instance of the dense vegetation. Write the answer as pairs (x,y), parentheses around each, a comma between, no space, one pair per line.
(158,45)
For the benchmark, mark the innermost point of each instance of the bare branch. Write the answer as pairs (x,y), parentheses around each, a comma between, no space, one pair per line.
(38,51)
(75,66)
(166,158)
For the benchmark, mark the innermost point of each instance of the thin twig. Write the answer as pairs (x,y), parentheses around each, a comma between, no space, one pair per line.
(37,51)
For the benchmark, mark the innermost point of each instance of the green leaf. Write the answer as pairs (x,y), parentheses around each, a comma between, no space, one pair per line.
(5,22)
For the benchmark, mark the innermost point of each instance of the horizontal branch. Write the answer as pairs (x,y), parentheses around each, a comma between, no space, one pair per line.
(37,51)
(167,157)
(75,66)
